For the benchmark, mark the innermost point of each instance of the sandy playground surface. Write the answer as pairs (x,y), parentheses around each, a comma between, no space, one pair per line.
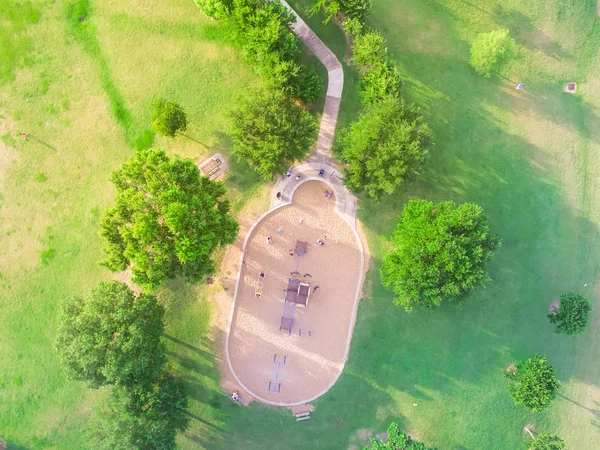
(315,350)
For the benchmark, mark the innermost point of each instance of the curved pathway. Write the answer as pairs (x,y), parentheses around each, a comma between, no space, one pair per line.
(309,171)
(321,158)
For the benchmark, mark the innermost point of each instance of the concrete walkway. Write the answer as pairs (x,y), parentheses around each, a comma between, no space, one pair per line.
(321,158)
(309,170)
(335,85)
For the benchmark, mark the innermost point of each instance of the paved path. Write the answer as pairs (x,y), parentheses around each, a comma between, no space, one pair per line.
(309,170)
(321,158)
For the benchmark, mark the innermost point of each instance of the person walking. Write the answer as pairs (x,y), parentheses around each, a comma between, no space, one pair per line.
(269,240)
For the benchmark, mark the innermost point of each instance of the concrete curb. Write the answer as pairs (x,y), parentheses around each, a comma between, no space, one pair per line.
(309,171)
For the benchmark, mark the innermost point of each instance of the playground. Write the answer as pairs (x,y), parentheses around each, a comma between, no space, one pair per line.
(296,300)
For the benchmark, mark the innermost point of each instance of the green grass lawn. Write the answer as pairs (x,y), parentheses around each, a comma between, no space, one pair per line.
(531,160)
(83,91)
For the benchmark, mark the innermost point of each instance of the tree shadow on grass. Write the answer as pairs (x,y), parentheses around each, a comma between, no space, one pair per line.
(548,247)
(351,405)
(523,29)
(14,446)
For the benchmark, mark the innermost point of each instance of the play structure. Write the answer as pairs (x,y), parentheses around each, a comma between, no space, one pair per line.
(259,285)
(297,292)
(275,385)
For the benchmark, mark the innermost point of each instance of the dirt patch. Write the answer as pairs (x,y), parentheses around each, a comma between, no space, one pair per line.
(553,306)
(299,409)
(125,277)
(315,349)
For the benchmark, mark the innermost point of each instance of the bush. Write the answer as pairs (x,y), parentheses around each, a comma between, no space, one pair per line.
(168,118)
(573,315)
(354,9)
(533,383)
(380,83)
(440,253)
(369,50)
(353,27)
(490,50)
(263,33)
(396,440)
(216,9)
(387,144)
(546,441)
(271,132)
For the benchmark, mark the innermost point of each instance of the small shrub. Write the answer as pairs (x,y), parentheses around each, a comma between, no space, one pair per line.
(380,83)
(546,441)
(490,50)
(48,255)
(144,141)
(216,9)
(533,383)
(573,315)
(41,178)
(353,27)
(354,9)
(369,49)
(168,118)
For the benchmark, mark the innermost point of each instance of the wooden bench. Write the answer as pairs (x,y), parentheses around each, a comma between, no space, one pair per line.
(211,168)
(302,416)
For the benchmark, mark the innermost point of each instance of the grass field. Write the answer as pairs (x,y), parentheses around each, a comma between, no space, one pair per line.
(83,91)
(530,159)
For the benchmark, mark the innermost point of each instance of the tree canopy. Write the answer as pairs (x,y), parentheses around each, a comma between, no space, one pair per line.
(546,441)
(533,383)
(355,9)
(216,9)
(111,337)
(271,132)
(396,440)
(489,50)
(387,145)
(167,220)
(573,314)
(168,118)
(262,30)
(146,417)
(440,253)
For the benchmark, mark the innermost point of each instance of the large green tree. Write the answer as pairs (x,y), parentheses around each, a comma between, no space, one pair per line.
(533,383)
(546,441)
(355,9)
(573,314)
(490,50)
(396,440)
(440,253)
(388,144)
(148,417)
(168,118)
(271,132)
(262,30)
(111,337)
(168,220)
(216,9)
